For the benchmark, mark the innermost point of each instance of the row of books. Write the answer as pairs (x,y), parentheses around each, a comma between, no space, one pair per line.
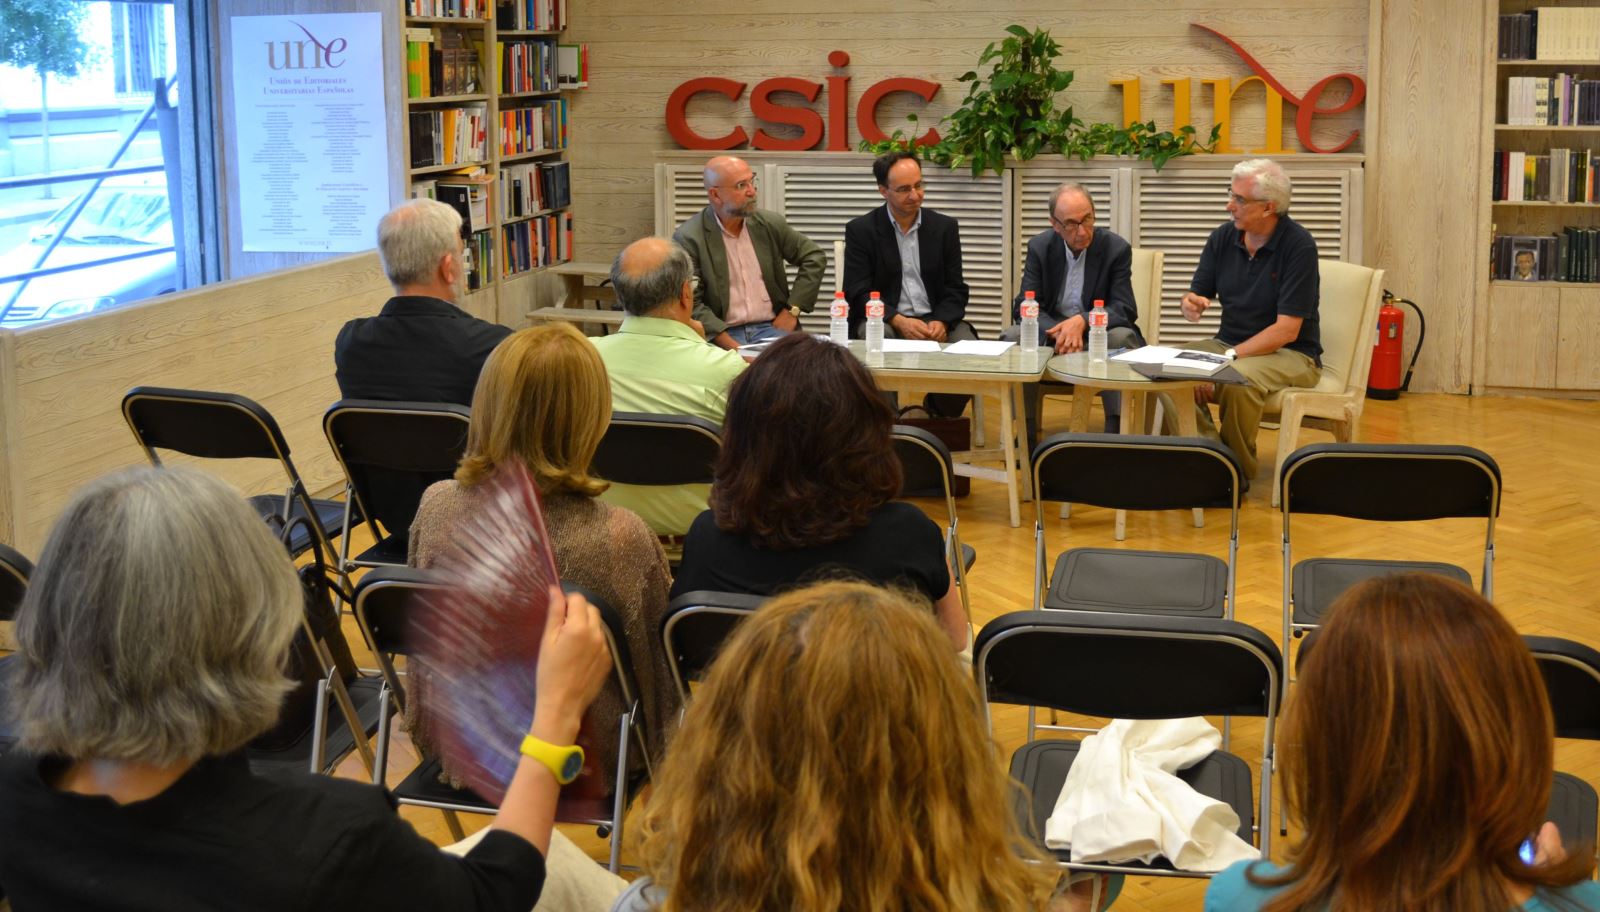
(1551,33)
(540,127)
(454,9)
(481,256)
(1571,256)
(443,62)
(1559,100)
(534,15)
(449,136)
(572,65)
(534,187)
(527,66)
(1562,176)
(542,241)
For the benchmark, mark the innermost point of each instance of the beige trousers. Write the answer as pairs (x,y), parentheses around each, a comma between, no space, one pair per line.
(1241,404)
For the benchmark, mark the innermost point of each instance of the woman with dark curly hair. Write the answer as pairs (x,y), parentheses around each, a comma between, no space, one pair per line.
(804,488)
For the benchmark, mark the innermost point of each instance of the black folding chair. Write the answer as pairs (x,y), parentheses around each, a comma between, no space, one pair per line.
(14,572)
(1571,673)
(225,426)
(926,470)
(1132,667)
(1136,473)
(384,597)
(390,452)
(641,448)
(1379,482)
(695,627)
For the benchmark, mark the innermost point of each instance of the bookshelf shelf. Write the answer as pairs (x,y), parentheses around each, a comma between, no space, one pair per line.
(488,54)
(1545,204)
(1511,283)
(1535,128)
(1548,63)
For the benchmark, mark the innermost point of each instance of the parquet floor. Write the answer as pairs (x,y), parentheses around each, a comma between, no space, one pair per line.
(1547,572)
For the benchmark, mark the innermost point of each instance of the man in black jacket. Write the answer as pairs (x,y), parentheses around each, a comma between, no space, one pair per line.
(421,347)
(911,256)
(1068,268)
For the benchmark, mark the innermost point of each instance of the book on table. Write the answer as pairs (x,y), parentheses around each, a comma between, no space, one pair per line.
(1195,364)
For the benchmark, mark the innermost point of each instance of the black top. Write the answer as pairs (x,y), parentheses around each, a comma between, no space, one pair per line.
(417,349)
(898,546)
(872,263)
(1281,278)
(222,838)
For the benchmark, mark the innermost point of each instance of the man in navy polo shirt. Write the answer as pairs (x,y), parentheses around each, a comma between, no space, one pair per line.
(1262,268)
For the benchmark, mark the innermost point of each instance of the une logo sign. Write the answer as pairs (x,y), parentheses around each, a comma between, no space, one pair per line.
(812,130)
(296,53)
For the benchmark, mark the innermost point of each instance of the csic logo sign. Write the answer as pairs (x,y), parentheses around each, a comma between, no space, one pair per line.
(836,131)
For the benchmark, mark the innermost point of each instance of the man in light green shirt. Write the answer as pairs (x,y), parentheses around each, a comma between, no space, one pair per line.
(660,362)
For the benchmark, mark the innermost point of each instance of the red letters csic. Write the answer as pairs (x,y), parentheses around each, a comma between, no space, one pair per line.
(765,108)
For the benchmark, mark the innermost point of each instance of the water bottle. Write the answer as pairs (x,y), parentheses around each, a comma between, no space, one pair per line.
(874,324)
(1098,321)
(1030,324)
(839,319)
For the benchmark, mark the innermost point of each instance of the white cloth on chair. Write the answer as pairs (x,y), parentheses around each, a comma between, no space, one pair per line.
(1121,801)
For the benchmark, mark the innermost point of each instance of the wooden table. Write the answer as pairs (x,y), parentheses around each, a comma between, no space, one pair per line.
(1088,378)
(578,291)
(1002,377)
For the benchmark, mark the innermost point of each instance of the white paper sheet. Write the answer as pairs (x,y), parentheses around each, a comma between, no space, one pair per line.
(979,347)
(910,345)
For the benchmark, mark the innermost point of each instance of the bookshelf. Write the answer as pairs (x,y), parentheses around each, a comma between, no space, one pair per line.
(486,118)
(1544,200)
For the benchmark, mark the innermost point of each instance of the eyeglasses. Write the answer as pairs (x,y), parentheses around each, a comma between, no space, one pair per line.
(1073,224)
(902,191)
(748,183)
(1242,201)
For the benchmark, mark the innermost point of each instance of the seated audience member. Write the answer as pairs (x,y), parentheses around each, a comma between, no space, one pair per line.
(543,400)
(152,644)
(805,488)
(1418,756)
(835,758)
(659,363)
(421,347)
(1069,266)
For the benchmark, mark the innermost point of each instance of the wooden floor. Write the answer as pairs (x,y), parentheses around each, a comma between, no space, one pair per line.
(1547,572)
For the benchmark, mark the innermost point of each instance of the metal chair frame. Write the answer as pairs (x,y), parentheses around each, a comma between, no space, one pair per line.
(916,443)
(689,608)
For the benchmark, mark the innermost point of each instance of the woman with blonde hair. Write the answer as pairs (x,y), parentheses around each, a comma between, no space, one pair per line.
(543,400)
(835,759)
(1418,755)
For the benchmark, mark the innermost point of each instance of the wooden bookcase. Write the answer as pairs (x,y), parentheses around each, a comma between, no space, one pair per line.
(1541,335)
(524,128)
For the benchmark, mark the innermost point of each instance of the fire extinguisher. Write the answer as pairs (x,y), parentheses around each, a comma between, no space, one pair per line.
(1383,382)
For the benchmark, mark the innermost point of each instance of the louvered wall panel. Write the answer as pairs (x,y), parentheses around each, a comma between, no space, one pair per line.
(1176,211)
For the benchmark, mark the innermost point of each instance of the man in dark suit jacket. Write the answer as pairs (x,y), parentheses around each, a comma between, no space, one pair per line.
(924,296)
(421,347)
(1068,268)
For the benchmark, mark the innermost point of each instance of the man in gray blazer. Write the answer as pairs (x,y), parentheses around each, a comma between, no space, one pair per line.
(739,255)
(1068,268)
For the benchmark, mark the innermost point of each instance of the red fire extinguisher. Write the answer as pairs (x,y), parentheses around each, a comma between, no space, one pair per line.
(1383,382)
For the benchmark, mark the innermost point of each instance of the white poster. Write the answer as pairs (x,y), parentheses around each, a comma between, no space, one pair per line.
(311,143)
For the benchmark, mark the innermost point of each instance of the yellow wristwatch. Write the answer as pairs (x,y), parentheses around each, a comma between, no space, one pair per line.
(564,762)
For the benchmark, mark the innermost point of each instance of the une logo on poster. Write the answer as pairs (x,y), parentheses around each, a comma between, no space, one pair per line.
(813,131)
(295,52)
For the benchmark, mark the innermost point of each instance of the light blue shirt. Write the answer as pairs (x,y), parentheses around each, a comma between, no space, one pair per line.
(913,295)
(1071,303)
(1232,891)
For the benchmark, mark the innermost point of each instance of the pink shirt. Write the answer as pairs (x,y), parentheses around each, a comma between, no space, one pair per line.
(748,301)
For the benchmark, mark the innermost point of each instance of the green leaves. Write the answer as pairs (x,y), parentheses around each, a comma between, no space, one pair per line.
(1013,113)
(43,35)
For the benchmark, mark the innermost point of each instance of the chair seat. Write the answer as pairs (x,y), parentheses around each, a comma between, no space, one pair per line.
(1318,582)
(295,758)
(330,514)
(969,556)
(1574,807)
(391,550)
(1127,581)
(1041,768)
(423,787)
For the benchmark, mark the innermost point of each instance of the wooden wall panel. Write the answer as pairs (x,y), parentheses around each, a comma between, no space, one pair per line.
(1578,360)
(269,338)
(1522,336)
(641,50)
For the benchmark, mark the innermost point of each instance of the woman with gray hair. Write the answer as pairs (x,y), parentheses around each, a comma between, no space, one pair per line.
(152,643)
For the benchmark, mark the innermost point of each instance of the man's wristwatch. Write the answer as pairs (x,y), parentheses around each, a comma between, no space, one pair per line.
(1230,354)
(564,762)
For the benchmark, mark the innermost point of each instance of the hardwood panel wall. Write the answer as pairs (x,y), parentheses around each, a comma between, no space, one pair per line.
(268,337)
